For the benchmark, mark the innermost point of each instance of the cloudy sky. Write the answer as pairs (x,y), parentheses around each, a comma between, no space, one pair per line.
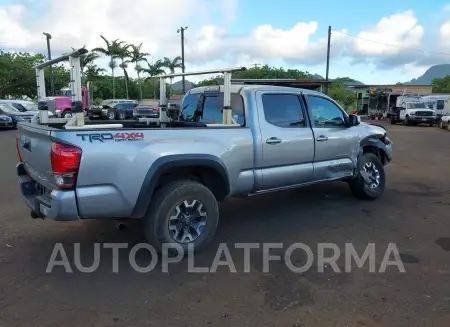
(375,41)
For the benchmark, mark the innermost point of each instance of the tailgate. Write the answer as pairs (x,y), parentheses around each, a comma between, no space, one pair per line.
(34,145)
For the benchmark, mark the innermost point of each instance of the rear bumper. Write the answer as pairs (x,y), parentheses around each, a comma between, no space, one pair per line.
(56,205)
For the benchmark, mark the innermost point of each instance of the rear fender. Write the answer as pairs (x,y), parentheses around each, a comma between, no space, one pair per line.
(163,165)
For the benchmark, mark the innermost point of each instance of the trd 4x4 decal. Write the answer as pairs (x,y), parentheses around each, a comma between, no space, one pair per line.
(104,137)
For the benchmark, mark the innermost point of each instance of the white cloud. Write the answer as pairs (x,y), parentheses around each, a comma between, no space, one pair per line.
(400,29)
(444,34)
(447,8)
(209,43)
(265,43)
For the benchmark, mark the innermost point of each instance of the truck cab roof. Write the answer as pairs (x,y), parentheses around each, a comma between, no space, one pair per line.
(239,88)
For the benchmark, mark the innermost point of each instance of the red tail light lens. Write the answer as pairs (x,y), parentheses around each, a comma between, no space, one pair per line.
(17,147)
(65,164)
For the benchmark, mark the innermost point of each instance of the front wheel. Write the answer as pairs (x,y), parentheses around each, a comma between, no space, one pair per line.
(67,114)
(182,212)
(441,125)
(370,180)
(406,121)
(110,115)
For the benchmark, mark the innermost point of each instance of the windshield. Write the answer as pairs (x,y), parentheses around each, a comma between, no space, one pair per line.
(105,102)
(417,105)
(30,106)
(8,109)
(64,93)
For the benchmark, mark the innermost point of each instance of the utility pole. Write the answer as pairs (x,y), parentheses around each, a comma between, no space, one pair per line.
(52,82)
(181,30)
(328,58)
(256,65)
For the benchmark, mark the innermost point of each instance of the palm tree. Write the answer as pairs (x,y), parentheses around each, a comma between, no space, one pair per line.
(86,60)
(153,70)
(172,64)
(136,58)
(93,71)
(124,54)
(111,50)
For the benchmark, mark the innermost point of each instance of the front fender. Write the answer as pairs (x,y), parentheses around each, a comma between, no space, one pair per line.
(378,142)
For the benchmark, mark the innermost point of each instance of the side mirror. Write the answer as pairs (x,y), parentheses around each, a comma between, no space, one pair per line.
(354,120)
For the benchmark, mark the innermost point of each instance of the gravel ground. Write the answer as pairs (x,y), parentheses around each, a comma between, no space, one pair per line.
(413,214)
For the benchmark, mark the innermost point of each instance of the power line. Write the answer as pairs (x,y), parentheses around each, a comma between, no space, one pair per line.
(393,45)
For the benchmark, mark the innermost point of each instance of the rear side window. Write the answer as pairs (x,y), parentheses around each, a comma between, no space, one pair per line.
(212,108)
(283,110)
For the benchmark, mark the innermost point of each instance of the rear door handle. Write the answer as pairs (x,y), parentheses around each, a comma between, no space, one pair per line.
(273,140)
(322,138)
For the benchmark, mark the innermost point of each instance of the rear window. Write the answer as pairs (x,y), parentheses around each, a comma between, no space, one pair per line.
(212,108)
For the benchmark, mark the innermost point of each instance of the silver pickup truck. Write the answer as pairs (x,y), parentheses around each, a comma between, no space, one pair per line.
(174,176)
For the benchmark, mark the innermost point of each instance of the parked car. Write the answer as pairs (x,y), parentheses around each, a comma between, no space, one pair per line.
(414,113)
(15,115)
(24,106)
(284,138)
(6,122)
(111,110)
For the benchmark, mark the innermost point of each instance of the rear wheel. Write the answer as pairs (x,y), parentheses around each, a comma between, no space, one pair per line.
(182,212)
(121,115)
(369,182)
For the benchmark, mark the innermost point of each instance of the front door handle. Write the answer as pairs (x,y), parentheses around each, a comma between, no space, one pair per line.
(273,140)
(322,138)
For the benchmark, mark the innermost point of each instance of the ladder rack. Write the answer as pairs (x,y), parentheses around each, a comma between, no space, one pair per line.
(77,120)
(227,118)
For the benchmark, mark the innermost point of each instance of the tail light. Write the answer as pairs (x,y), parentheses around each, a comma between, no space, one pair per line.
(65,161)
(17,147)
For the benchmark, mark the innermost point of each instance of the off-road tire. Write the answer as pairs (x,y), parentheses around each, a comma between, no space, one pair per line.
(164,202)
(358,185)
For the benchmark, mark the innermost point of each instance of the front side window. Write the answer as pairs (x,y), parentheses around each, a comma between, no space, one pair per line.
(325,113)
(283,110)
(440,104)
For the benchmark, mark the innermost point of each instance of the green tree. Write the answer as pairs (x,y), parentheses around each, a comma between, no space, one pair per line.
(124,55)
(137,57)
(17,75)
(172,65)
(341,93)
(111,50)
(441,85)
(153,70)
